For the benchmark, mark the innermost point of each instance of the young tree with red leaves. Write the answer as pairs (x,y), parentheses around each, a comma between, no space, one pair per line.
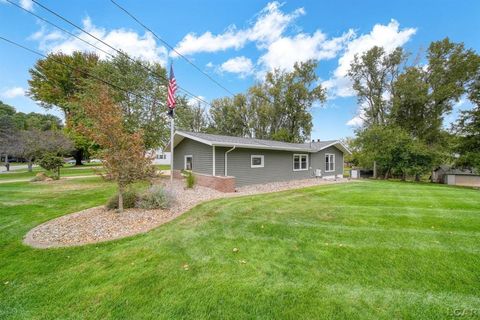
(123,152)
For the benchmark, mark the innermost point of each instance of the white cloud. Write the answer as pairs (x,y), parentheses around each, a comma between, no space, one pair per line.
(285,51)
(387,36)
(240,65)
(26,4)
(134,44)
(268,27)
(11,93)
(356,121)
(193,101)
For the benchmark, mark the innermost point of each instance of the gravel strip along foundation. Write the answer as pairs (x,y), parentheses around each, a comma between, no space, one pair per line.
(99,224)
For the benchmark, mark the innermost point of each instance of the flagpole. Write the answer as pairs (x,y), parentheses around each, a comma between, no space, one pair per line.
(172,126)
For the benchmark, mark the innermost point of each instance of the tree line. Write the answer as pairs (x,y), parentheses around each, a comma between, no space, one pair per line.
(30,136)
(404,106)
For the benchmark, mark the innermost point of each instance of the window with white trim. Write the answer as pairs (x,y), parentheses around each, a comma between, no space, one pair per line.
(257,161)
(300,162)
(188,164)
(329,162)
(161,156)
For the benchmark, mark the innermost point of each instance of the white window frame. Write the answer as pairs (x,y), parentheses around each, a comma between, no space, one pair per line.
(333,157)
(261,156)
(185,161)
(300,155)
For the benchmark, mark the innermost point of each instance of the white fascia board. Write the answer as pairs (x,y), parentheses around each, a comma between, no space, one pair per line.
(340,144)
(186,135)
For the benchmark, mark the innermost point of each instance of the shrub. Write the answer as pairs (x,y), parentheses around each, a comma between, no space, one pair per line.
(190,179)
(129,200)
(39,177)
(155,197)
(52,163)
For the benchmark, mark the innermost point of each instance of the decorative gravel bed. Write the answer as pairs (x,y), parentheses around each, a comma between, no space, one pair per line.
(99,224)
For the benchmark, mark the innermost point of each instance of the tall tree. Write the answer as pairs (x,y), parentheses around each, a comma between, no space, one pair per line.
(467,128)
(277,108)
(56,81)
(190,116)
(373,74)
(143,106)
(230,116)
(8,138)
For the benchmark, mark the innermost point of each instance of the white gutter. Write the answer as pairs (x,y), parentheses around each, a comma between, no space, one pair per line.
(226,160)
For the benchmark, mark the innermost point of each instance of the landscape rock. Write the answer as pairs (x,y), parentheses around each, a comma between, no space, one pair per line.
(99,224)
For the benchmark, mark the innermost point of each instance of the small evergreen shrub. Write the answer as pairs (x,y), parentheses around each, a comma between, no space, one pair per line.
(155,197)
(190,179)
(129,200)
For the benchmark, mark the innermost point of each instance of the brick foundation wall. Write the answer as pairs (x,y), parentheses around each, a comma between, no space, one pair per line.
(222,184)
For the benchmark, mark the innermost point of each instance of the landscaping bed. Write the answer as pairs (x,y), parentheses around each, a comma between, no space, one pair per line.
(100,224)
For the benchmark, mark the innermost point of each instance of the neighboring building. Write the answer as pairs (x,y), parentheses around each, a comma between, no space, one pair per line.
(224,160)
(161,157)
(454,176)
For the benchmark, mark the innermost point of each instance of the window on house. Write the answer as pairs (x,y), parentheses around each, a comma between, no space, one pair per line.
(300,162)
(256,161)
(329,162)
(161,156)
(188,163)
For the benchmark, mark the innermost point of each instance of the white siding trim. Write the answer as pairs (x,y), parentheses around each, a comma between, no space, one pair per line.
(261,156)
(300,161)
(328,155)
(185,161)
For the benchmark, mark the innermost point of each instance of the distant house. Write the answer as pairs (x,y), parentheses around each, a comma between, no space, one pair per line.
(456,176)
(226,162)
(161,157)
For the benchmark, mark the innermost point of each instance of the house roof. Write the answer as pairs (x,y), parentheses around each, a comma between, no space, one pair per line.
(239,142)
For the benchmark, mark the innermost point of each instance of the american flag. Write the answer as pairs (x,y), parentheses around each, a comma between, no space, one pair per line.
(172,87)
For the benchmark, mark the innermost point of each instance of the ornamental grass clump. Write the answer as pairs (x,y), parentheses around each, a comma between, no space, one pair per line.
(155,197)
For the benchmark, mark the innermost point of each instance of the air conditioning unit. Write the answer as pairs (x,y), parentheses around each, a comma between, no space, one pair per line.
(318,173)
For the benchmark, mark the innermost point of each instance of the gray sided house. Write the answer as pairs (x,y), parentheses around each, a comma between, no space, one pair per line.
(255,161)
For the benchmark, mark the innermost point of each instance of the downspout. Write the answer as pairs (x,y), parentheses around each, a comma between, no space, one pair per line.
(213,160)
(226,160)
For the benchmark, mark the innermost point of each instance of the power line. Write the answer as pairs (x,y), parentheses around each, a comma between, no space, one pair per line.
(82,71)
(171,47)
(178,53)
(58,27)
(116,50)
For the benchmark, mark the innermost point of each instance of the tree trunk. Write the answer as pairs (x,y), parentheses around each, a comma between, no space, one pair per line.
(374,169)
(387,174)
(7,164)
(120,199)
(78,155)
(404,176)
(30,165)
(417,177)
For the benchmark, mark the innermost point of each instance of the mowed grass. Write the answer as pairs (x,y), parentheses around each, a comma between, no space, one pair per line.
(66,171)
(365,250)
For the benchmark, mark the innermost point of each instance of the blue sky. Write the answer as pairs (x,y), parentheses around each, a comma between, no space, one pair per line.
(236,42)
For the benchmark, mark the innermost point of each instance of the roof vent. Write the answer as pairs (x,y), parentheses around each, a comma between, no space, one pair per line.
(318,140)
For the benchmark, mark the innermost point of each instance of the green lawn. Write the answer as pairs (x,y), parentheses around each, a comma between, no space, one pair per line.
(366,250)
(67,170)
